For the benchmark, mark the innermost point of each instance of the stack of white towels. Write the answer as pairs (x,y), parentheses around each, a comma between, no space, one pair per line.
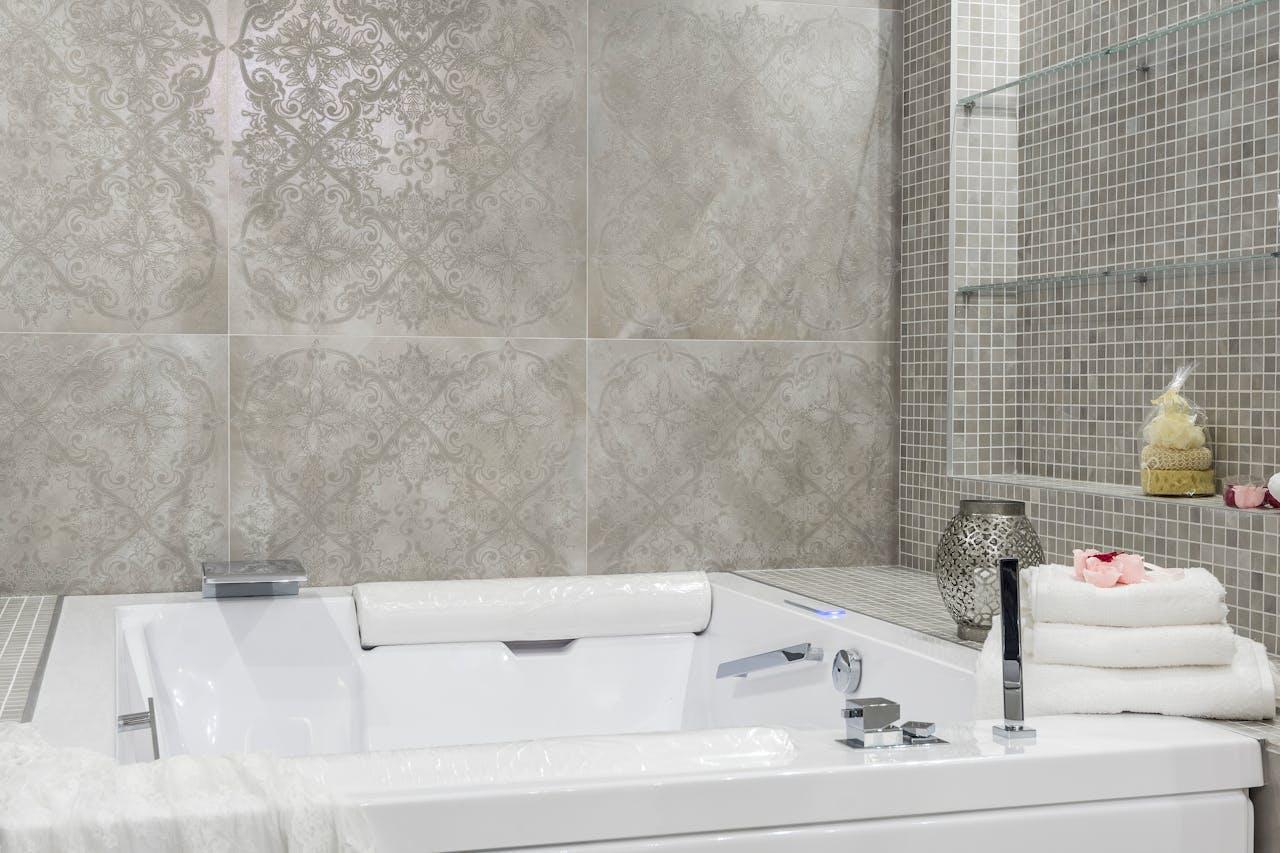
(1162,646)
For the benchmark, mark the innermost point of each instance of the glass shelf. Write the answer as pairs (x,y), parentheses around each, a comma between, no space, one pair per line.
(1140,274)
(970,101)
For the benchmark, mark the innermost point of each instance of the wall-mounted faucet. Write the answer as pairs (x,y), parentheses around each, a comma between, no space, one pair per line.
(245,578)
(1014,727)
(742,667)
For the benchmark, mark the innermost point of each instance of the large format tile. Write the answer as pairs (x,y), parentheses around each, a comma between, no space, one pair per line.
(744,160)
(112,182)
(726,455)
(112,462)
(409,168)
(401,459)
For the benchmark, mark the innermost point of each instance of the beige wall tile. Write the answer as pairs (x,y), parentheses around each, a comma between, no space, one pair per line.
(725,455)
(744,163)
(374,459)
(422,174)
(112,171)
(112,461)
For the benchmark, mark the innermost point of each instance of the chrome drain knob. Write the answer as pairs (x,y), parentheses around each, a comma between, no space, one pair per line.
(846,671)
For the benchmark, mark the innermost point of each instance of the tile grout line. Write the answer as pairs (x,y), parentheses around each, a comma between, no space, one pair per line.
(351,337)
(226,95)
(586,320)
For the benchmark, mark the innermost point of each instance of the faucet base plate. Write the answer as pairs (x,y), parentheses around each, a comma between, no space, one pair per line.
(907,743)
(1007,733)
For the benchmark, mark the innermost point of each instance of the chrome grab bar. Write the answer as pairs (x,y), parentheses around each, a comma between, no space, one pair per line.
(742,667)
(139,720)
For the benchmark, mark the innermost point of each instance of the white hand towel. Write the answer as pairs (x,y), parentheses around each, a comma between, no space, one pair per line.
(1094,645)
(1242,691)
(1054,595)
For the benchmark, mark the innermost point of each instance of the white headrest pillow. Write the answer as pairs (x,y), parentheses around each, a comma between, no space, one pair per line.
(531,609)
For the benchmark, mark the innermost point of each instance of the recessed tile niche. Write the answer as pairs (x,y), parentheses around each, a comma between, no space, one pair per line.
(1114,214)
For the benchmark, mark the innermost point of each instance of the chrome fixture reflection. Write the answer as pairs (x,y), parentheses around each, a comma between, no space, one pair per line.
(846,671)
(1014,728)
(139,720)
(872,722)
(742,667)
(243,578)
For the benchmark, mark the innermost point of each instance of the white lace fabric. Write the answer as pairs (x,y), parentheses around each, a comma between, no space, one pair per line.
(73,800)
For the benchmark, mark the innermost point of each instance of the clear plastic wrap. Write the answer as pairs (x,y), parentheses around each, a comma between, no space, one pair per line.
(1176,459)
(393,613)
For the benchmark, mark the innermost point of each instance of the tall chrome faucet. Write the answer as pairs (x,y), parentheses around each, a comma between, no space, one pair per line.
(1014,727)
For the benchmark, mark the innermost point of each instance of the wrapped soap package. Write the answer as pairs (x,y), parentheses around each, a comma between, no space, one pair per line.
(1176,459)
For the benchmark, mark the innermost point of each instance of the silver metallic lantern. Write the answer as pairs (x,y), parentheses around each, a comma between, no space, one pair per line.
(967,558)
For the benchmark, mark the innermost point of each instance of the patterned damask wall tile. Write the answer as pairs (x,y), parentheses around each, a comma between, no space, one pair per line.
(727,455)
(112,461)
(112,177)
(409,168)
(744,170)
(397,459)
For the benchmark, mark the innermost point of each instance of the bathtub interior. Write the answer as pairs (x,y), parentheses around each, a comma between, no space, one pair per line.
(289,676)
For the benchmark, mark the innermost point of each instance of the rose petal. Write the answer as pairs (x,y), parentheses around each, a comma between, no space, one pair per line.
(1104,577)
(1131,568)
(1080,556)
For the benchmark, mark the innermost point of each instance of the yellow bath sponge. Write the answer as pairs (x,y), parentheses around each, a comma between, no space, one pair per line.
(1177,483)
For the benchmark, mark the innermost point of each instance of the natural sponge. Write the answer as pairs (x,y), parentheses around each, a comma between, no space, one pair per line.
(1166,459)
(1177,483)
(1175,459)
(1174,424)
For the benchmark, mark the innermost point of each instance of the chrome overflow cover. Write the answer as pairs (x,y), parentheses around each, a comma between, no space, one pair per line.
(846,671)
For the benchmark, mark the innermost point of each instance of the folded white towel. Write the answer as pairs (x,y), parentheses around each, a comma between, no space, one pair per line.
(1052,594)
(1244,690)
(1095,645)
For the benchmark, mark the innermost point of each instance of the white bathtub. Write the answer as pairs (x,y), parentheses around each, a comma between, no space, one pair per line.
(484,746)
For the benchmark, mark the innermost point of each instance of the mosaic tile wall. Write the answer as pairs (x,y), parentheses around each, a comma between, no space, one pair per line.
(1167,152)
(1089,356)
(26,627)
(986,427)
(348,281)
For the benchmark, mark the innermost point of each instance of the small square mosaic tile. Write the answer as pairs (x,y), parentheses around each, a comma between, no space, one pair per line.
(26,629)
(906,597)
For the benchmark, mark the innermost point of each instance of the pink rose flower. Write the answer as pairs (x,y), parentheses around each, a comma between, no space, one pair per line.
(1246,496)
(1106,569)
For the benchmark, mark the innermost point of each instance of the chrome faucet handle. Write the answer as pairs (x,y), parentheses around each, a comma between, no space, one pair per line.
(1014,728)
(869,721)
(918,730)
(873,713)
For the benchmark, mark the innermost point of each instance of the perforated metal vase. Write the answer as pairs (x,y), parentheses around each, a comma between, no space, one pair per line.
(966,560)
